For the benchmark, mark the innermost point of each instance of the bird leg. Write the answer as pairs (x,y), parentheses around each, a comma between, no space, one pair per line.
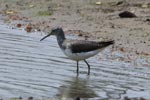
(88,67)
(77,67)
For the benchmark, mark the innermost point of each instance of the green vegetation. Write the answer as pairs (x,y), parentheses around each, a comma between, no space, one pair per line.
(45,13)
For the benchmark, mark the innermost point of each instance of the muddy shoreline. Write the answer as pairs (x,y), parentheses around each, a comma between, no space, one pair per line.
(91,20)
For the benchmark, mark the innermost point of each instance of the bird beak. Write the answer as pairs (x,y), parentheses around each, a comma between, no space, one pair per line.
(45,36)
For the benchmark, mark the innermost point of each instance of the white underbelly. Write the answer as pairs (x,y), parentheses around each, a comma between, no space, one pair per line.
(80,56)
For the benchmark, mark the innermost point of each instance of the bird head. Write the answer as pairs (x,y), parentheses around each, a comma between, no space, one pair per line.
(54,31)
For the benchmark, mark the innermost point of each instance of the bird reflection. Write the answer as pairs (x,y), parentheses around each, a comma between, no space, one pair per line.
(75,88)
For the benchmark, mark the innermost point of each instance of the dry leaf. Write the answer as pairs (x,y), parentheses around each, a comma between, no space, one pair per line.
(31,6)
(98,3)
(144,6)
(9,12)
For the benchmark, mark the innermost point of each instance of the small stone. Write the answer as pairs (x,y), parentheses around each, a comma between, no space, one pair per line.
(20,98)
(78,98)
(28,28)
(141,98)
(126,98)
(19,25)
(119,3)
(112,26)
(148,19)
(30,98)
(127,14)
(122,49)
(80,34)
(7,6)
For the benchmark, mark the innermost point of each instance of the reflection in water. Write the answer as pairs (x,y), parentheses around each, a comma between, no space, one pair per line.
(76,87)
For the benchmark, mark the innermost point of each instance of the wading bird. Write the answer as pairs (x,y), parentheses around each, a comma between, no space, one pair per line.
(78,49)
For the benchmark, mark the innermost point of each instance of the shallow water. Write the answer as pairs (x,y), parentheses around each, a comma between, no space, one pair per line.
(29,67)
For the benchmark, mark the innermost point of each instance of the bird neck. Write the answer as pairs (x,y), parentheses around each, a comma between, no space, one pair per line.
(60,38)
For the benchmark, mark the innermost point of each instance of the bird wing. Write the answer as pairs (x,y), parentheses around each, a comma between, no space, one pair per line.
(86,46)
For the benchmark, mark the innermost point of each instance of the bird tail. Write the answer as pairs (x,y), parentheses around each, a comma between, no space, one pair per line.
(106,43)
